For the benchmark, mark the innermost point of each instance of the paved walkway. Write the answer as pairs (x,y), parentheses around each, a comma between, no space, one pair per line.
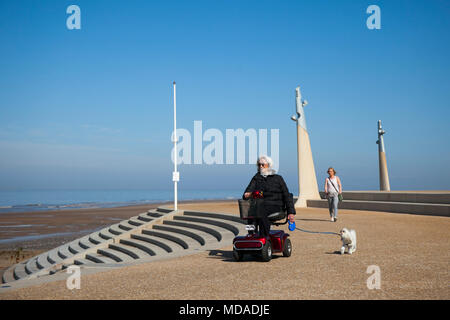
(412,252)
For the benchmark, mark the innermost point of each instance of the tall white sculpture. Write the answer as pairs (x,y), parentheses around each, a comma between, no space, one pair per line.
(384,176)
(307,181)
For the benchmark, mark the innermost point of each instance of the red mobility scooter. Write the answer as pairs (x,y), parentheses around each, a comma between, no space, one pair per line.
(253,243)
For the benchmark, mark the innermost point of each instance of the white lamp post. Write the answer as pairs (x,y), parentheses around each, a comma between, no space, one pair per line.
(175,174)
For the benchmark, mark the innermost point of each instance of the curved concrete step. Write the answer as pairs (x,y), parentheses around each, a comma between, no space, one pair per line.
(134,221)
(53,256)
(85,243)
(115,255)
(31,266)
(105,234)
(215,216)
(173,241)
(132,251)
(74,247)
(196,226)
(164,210)
(142,245)
(115,230)
(8,275)
(190,237)
(144,217)
(19,271)
(42,261)
(159,246)
(95,238)
(64,252)
(154,214)
(227,225)
(80,262)
(125,226)
(98,258)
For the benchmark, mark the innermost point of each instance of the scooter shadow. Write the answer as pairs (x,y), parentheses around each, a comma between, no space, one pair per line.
(334,252)
(227,256)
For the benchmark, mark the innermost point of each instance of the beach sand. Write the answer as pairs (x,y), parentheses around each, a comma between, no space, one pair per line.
(26,234)
(412,252)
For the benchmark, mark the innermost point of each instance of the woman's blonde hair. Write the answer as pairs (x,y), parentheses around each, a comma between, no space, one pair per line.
(331,169)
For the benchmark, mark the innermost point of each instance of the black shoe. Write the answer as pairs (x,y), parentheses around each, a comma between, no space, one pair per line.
(335,219)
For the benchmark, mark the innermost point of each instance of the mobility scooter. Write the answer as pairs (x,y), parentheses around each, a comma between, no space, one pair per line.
(254,243)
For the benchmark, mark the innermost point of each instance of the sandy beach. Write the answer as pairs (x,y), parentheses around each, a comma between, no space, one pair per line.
(412,252)
(26,234)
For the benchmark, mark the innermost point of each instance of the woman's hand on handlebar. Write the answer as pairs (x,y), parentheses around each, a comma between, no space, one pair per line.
(291,217)
(247,195)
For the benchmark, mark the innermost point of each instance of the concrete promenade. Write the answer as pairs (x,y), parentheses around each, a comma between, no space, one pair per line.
(412,252)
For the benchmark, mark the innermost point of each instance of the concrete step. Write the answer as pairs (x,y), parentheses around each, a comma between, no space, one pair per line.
(98,258)
(144,217)
(220,216)
(19,271)
(80,262)
(95,238)
(31,266)
(168,238)
(63,252)
(8,275)
(105,234)
(134,221)
(114,229)
(154,214)
(115,255)
(42,261)
(227,225)
(163,210)
(196,226)
(133,252)
(74,247)
(125,226)
(434,197)
(53,256)
(191,238)
(397,207)
(143,245)
(85,243)
(159,246)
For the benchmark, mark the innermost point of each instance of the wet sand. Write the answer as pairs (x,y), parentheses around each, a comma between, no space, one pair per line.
(412,252)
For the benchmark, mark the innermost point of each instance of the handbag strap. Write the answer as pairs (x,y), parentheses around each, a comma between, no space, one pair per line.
(333,185)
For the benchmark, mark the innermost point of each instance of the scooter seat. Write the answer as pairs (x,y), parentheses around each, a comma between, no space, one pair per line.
(277,216)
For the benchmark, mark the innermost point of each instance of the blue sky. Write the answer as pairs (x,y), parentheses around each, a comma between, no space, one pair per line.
(92,108)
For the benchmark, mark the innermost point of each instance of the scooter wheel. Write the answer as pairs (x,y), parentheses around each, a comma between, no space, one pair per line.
(287,248)
(237,255)
(266,252)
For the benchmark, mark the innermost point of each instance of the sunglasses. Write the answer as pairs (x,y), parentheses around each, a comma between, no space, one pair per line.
(262,164)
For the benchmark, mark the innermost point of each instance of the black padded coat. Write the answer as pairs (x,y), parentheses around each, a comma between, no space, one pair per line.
(275,192)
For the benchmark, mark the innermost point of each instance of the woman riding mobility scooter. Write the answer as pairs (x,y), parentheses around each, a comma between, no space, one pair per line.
(255,242)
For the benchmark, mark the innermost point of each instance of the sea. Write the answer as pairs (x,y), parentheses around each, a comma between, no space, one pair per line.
(44,200)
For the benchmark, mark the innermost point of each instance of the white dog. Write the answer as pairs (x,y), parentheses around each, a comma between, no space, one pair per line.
(348,238)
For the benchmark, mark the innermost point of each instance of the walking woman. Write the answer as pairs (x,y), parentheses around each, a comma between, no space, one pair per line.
(333,188)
